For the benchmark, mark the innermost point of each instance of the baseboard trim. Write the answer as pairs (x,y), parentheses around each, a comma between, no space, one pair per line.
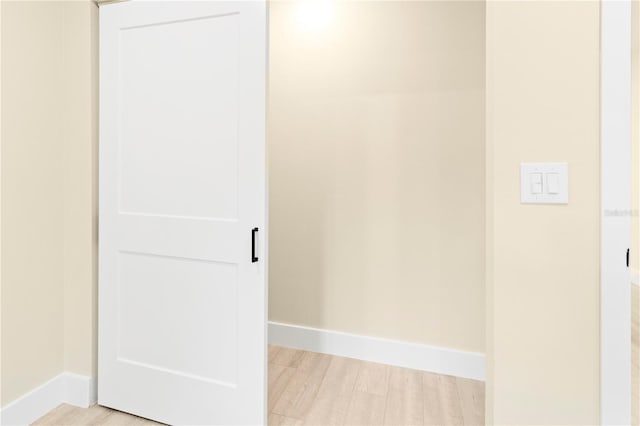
(67,388)
(80,390)
(635,277)
(440,360)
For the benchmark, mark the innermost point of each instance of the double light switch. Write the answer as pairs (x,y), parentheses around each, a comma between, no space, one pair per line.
(544,183)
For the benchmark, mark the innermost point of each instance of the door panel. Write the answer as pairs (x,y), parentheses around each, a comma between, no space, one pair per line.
(194,64)
(173,316)
(182,183)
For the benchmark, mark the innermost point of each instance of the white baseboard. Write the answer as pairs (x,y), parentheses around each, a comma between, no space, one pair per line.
(452,362)
(67,388)
(635,277)
(80,390)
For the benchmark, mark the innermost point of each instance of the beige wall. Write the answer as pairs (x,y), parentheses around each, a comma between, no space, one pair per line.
(543,261)
(376,145)
(48,223)
(32,210)
(80,41)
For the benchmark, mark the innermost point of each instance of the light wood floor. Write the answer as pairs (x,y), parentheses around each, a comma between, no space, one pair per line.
(635,355)
(307,388)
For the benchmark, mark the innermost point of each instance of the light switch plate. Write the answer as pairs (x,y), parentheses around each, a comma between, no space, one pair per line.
(554,190)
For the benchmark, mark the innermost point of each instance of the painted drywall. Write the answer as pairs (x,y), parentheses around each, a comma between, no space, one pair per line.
(80,215)
(376,157)
(48,192)
(543,284)
(32,212)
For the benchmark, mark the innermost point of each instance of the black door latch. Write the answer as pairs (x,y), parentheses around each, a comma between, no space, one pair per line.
(628,252)
(254,258)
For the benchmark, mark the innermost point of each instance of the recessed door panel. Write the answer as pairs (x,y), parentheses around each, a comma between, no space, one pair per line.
(178,87)
(179,315)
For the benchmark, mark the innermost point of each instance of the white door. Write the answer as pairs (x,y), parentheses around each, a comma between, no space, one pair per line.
(182,292)
(615,110)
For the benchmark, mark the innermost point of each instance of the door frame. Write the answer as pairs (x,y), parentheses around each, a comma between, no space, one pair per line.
(615,132)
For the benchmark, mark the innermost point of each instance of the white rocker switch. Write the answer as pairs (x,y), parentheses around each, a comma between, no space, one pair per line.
(544,183)
(553,183)
(536,183)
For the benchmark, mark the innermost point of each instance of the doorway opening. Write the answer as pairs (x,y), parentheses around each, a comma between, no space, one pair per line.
(376,147)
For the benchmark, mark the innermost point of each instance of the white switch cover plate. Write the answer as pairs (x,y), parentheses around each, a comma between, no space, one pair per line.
(555,183)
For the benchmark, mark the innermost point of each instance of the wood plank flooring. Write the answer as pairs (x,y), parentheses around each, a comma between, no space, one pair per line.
(308,388)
